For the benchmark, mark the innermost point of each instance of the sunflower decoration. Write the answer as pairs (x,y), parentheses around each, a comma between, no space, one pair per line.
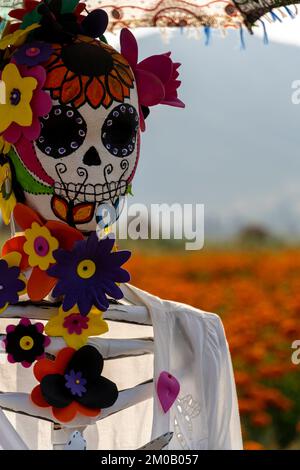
(7,197)
(73,78)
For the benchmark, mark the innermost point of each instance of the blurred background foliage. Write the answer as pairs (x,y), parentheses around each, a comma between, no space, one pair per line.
(253,282)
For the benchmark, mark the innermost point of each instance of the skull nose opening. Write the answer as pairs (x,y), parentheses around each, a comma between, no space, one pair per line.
(92,158)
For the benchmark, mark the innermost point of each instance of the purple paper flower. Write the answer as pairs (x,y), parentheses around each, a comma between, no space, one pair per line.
(76,383)
(88,273)
(10,284)
(75,323)
(33,53)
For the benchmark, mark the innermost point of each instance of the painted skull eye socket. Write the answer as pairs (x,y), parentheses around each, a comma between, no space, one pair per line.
(119,131)
(63,131)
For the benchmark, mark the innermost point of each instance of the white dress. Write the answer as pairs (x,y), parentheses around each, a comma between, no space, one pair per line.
(188,343)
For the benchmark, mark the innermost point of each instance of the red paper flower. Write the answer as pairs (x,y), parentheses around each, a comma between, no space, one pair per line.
(37,252)
(72,384)
(156,76)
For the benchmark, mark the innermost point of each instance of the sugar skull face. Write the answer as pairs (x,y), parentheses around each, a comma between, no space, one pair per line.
(88,148)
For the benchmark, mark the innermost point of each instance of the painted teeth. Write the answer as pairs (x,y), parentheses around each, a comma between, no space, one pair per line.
(98,189)
(90,192)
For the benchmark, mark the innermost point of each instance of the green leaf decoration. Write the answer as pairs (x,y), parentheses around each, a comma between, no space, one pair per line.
(68,6)
(129,190)
(27,182)
(103,39)
(30,18)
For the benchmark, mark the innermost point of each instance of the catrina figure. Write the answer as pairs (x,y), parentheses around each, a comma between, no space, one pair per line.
(75,109)
(72,112)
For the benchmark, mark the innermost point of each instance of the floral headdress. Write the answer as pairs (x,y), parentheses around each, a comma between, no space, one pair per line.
(35,51)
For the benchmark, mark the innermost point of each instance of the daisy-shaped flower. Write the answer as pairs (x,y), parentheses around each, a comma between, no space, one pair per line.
(25,102)
(12,282)
(19,92)
(25,342)
(39,246)
(33,53)
(72,79)
(75,328)
(88,273)
(156,77)
(17,38)
(7,197)
(36,247)
(72,384)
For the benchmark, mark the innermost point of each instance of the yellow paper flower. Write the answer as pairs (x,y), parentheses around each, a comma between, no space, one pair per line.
(12,284)
(75,328)
(18,94)
(7,197)
(17,38)
(39,246)
(4,146)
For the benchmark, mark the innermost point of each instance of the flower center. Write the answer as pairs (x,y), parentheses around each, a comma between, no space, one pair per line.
(86,268)
(15,97)
(32,51)
(75,383)
(75,323)
(41,246)
(26,343)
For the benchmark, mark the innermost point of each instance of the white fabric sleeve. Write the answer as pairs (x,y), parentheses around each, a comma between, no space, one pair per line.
(224,431)
(9,438)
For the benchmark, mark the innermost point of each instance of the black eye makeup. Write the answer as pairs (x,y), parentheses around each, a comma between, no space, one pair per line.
(63,131)
(119,131)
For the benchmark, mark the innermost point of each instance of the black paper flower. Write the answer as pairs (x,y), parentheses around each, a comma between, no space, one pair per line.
(25,342)
(73,383)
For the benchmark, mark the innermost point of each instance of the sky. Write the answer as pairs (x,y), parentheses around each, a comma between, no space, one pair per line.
(236,146)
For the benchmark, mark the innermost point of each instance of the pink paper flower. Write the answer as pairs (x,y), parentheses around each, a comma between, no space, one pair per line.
(75,323)
(156,76)
(40,105)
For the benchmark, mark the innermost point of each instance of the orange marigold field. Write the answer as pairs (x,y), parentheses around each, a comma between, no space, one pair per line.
(257,295)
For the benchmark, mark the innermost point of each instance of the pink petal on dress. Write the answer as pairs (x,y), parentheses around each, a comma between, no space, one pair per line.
(167,389)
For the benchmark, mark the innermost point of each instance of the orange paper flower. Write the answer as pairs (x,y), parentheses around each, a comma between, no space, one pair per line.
(36,247)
